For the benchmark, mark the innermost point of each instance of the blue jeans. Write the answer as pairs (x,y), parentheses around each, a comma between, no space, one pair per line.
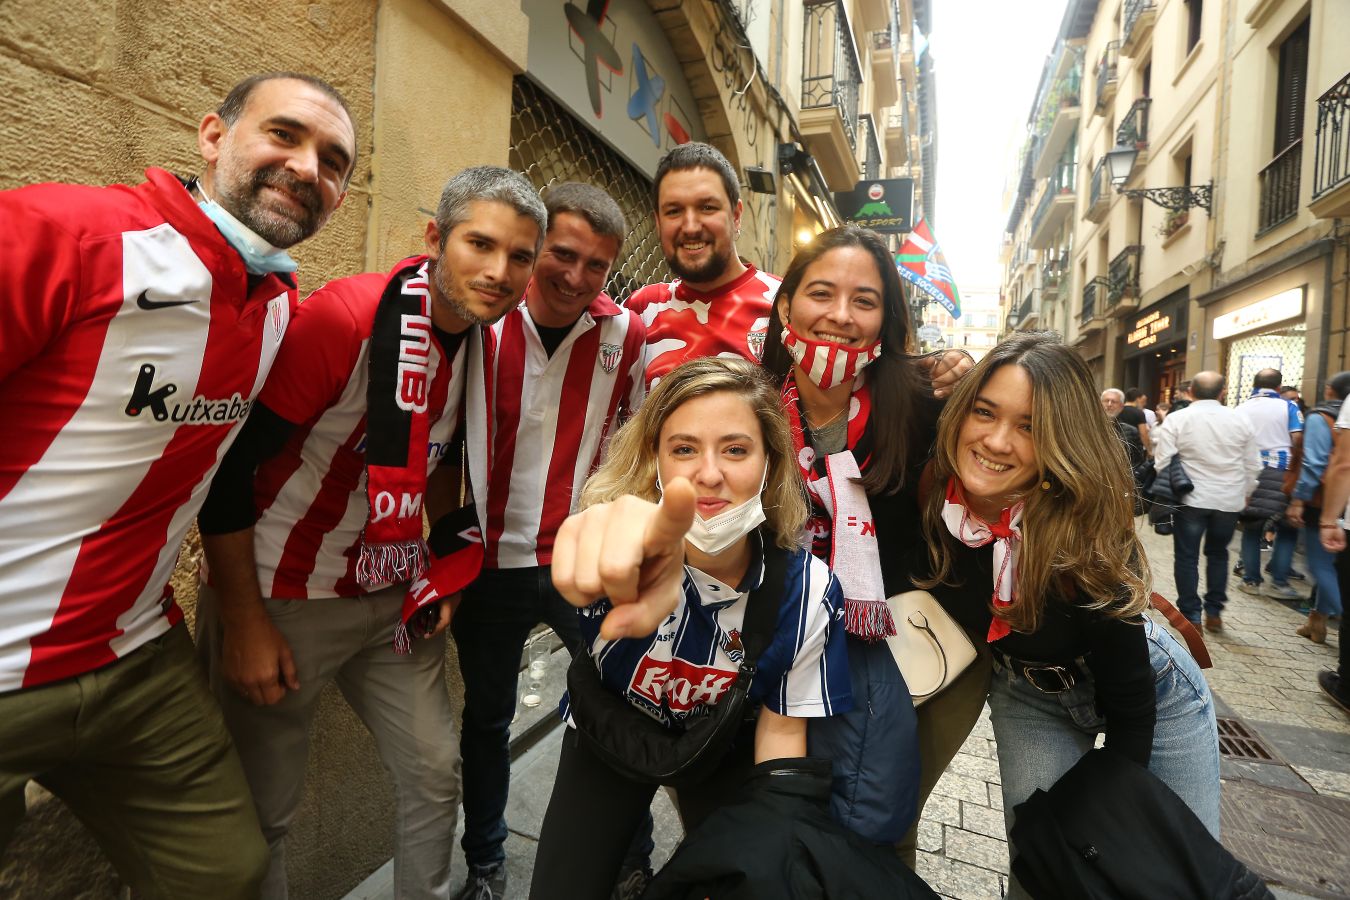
(1191,524)
(490,629)
(1281,555)
(1321,565)
(1040,736)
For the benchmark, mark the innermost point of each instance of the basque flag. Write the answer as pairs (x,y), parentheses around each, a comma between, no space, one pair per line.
(920,262)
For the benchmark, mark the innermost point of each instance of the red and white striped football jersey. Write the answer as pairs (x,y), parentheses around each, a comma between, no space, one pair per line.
(131,350)
(536,425)
(683,324)
(311,497)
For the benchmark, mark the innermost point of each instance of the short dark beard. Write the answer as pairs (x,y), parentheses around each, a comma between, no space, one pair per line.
(276,228)
(712,270)
(455,302)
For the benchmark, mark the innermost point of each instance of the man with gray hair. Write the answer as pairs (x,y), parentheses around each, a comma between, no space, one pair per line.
(565,370)
(1217,448)
(313,527)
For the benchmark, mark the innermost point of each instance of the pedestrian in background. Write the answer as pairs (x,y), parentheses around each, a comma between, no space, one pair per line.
(1305,509)
(1217,447)
(1277,426)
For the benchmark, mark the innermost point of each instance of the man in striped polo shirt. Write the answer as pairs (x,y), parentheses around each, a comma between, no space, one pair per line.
(553,379)
(313,527)
(140,323)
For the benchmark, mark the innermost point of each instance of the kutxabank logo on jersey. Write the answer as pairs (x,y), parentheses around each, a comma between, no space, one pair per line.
(157,398)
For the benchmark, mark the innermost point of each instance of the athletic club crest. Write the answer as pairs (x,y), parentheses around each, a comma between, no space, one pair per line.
(755,341)
(609,357)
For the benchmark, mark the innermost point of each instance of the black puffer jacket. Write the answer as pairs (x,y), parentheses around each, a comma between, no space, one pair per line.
(1268,500)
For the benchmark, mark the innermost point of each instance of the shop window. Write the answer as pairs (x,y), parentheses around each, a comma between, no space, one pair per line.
(1281,349)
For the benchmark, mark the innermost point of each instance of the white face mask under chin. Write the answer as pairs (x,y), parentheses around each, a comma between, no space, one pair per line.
(714,536)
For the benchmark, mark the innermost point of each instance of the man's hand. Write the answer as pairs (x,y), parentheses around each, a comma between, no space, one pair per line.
(1333,537)
(256,660)
(448,607)
(1293,513)
(630,551)
(946,370)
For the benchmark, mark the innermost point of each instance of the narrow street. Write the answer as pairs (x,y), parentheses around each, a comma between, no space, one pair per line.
(1291,811)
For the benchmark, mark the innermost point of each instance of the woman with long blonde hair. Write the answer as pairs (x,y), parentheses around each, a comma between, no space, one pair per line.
(1033,550)
(673,595)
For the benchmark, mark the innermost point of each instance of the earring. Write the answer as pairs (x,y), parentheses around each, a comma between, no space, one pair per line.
(1045,485)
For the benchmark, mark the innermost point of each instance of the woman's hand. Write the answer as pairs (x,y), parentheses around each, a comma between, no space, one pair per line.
(949,368)
(630,551)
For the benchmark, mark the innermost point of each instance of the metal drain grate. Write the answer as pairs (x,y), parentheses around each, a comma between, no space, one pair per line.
(1297,840)
(1237,741)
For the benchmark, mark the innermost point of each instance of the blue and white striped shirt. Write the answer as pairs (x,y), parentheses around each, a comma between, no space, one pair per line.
(685,663)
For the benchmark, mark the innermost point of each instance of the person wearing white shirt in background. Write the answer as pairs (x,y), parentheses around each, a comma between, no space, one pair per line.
(1278,427)
(1217,447)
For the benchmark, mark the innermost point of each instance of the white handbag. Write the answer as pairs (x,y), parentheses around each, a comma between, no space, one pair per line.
(929,647)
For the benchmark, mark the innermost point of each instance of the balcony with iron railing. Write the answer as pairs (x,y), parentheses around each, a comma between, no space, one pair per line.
(1331,155)
(1054,272)
(1099,192)
(1055,206)
(1133,132)
(1106,77)
(1280,187)
(1029,313)
(1122,292)
(831,78)
(1092,314)
(1136,26)
(1058,119)
(884,44)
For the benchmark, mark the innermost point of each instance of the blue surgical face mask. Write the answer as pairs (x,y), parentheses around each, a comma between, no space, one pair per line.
(260,257)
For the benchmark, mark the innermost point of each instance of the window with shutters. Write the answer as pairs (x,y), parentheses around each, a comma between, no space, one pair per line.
(1280,177)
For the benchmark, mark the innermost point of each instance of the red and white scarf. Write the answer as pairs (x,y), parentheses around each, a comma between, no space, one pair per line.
(842,529)
(397,428)
(1006,535)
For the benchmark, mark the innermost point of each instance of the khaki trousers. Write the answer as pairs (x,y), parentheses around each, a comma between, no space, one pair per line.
(139,753)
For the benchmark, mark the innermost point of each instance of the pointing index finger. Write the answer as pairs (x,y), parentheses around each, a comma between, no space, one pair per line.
(672,521)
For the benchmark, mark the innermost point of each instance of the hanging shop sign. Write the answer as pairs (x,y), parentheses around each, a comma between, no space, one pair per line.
(881,205)
(1254,316)
(608,61)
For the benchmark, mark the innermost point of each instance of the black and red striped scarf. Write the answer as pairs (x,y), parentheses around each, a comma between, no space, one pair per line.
(841,528)
(398,425)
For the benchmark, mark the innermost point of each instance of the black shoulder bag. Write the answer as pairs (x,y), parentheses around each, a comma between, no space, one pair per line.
(642,749)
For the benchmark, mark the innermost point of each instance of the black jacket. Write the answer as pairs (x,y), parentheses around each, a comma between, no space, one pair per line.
(1268,500)
(775,840)
(1133,838)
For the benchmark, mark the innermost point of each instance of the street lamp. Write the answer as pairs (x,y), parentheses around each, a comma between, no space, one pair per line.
(1120,162)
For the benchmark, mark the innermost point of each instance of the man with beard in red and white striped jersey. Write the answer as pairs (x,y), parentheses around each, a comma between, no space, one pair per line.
(140,324)
(313,529)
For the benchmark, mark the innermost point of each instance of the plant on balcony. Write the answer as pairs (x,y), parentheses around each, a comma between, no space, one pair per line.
(1173,222)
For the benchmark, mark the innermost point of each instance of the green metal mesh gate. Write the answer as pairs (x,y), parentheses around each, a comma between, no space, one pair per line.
(549,145)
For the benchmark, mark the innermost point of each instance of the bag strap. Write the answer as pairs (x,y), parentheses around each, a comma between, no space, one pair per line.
(761,610)
(1194,642)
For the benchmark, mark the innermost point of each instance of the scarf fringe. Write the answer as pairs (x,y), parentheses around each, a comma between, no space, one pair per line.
(391,563)
(402,640)
(870,620)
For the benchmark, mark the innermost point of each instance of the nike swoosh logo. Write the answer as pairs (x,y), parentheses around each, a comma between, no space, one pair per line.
(144,302)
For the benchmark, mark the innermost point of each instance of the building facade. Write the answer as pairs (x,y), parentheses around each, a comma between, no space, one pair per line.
(817,95)
(1215,243)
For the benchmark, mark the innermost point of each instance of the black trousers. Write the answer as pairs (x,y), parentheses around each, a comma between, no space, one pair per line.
(1343,578)
(594,812)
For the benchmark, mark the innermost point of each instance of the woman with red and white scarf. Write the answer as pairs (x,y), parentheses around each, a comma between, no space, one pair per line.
(863,416)
(1030,525)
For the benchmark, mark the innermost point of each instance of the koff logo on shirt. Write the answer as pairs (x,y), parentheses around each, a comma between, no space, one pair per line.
(200,411)
(681,684)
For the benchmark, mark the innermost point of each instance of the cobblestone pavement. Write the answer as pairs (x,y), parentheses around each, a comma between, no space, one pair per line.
(1262,672)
